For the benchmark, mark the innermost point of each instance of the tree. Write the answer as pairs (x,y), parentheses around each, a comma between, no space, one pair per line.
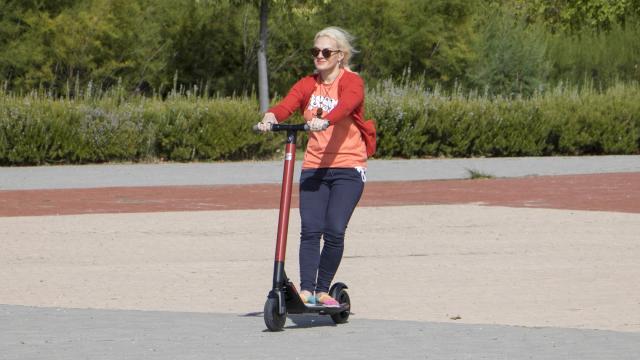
(510,55)
(431,38)
(263,78)
(288,9)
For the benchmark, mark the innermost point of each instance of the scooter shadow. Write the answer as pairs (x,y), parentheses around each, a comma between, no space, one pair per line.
(301,321)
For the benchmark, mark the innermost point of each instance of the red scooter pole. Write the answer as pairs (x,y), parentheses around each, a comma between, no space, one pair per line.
(285,197)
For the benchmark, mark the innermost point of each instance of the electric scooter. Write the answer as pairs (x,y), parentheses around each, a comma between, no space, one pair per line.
(284,298)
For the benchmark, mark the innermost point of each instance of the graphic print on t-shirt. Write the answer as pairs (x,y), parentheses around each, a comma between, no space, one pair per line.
(324,102)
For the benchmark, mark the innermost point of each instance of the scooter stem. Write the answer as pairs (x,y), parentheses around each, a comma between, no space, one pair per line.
(285,207)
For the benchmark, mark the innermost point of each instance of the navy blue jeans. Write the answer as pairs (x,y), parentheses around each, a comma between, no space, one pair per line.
(328,197)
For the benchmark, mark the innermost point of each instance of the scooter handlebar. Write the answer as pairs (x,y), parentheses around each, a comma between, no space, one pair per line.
(287,127)
(297,127)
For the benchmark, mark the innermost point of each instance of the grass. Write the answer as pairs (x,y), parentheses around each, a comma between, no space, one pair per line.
(477,174)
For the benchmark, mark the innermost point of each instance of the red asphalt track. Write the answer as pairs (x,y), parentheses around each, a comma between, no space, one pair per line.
(617,192)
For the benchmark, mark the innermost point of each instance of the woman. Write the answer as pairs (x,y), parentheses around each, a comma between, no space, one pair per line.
(335,161)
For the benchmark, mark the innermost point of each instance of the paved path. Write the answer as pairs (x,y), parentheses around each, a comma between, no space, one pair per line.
(49,333)
(270,172)
(604,192)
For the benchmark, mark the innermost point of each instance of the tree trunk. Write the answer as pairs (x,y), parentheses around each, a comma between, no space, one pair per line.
(263,78)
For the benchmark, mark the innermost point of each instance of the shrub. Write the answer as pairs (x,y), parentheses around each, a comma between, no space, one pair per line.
(412,122)
(564,121)
(38,129)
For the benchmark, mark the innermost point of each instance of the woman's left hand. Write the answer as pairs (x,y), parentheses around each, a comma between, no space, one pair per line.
(317,124)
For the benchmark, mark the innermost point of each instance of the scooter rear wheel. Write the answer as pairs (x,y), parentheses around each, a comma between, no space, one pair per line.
(273,320)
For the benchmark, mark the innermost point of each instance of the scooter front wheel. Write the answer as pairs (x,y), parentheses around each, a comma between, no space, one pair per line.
(273,320)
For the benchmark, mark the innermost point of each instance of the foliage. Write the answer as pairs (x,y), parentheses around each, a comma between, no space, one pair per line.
(596,58)
(154,47)
(510,56)
(146,44)
(428,37)
(573,16)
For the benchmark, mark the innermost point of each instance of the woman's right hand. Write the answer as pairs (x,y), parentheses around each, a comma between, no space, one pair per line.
(267,120)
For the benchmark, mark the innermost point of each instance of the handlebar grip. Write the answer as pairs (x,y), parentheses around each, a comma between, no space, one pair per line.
(256,129)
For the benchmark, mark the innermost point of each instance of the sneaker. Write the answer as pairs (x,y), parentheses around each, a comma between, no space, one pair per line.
(307,297)
(325,300)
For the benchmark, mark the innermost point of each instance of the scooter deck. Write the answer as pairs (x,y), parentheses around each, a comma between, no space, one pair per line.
(301,308)
(321,309)
(296,306)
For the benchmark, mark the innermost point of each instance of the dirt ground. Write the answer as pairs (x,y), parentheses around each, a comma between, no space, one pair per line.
(444,263)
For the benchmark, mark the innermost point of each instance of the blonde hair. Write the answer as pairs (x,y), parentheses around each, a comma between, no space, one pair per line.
(343,39)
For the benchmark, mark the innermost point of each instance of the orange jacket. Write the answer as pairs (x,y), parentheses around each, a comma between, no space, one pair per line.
(351,104)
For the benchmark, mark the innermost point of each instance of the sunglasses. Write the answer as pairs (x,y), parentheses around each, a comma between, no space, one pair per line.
(326,53)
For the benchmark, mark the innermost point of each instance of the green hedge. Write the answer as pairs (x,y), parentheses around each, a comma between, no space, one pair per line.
(563,121)
(37,129)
